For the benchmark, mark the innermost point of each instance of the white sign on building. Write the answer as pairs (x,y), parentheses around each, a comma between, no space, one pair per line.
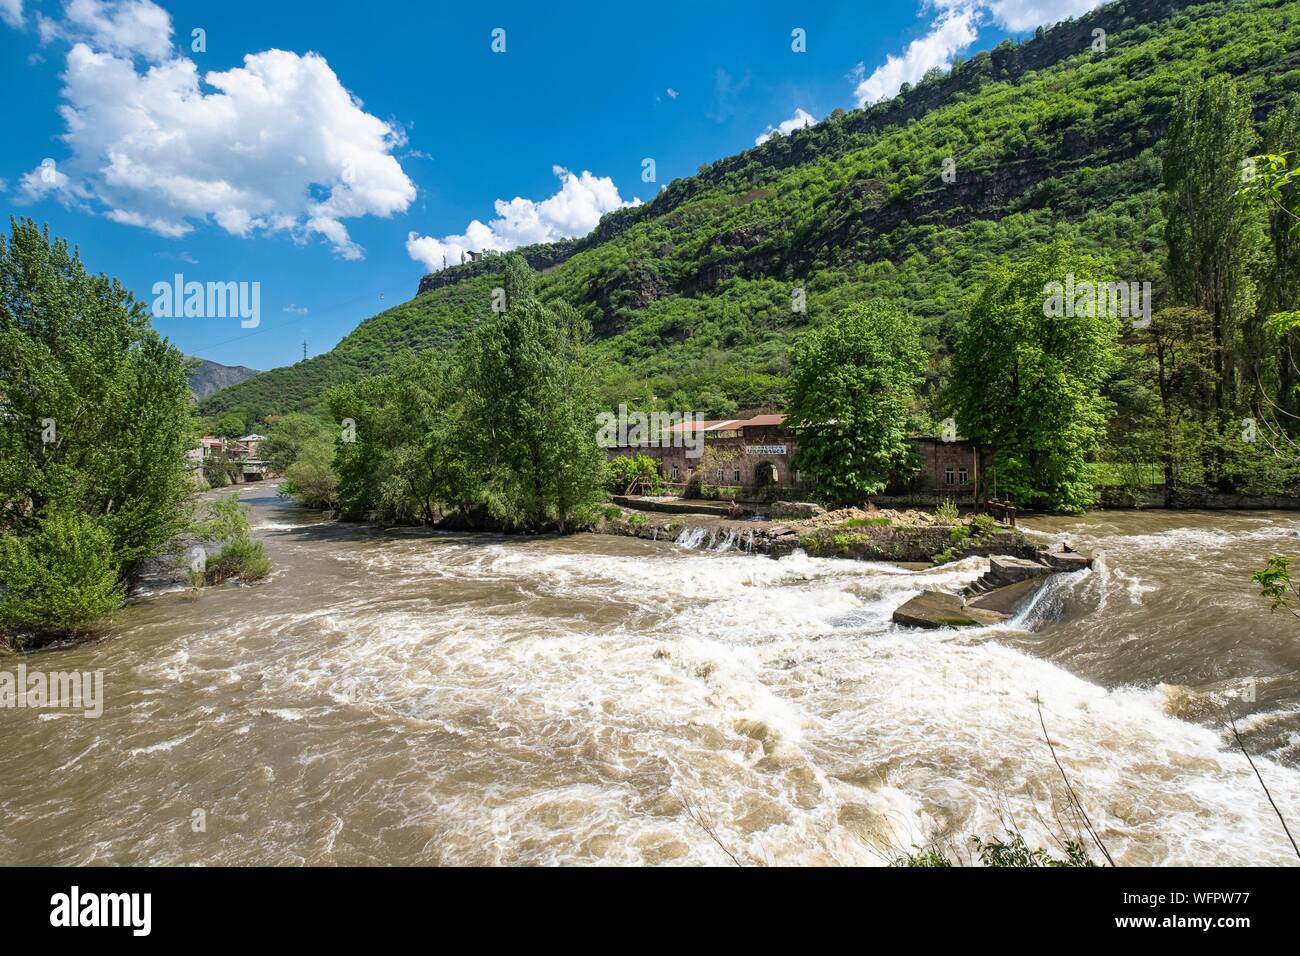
(755,451)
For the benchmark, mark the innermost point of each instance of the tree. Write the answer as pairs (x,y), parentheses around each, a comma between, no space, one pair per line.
(95,410)
(1029,383)
(288,435)
(852,394)
(529,418)
(1211,236)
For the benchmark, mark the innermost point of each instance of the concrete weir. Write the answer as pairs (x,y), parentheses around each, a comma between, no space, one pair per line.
(998,595)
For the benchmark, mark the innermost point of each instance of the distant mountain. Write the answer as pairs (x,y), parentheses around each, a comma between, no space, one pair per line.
(691,295)
(208,378)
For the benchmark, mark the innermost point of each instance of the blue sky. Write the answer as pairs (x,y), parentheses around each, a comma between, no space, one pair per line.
(343,167)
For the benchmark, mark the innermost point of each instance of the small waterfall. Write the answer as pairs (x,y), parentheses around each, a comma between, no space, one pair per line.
(727,542)
(691,537)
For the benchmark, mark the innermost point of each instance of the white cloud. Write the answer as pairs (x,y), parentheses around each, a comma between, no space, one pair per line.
(953,30)
(123,27)
(574,210)
(672,92)
(11,12)
(295,309)
(799,120)
(277,145)
(1021,15)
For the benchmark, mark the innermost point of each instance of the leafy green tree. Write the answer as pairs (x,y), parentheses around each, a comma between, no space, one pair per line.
(95,410)
(311,478)
(852,396)
(1029,383)
(404,459)
(1211,236)
(287,436)
(529,417)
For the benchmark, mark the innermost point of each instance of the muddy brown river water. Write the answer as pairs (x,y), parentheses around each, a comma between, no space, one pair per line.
(413,697)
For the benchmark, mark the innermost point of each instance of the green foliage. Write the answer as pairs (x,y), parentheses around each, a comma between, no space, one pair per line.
(944,556)
(947,512)
(288,435)
(96,418)
(311,479)
(1274,580)
(851,398)
(959,536)
(505,429)
(1009,853)
(222,518)
(528,418)
(243,558)
(982,525)
(1016,853)
(624,470)
(1029,383)
(61,578)
(225,520)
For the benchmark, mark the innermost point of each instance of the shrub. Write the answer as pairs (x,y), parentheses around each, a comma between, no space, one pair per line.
(984,525)
(61,578)
(943,557)
(948,512)
(242,558)
(959,535)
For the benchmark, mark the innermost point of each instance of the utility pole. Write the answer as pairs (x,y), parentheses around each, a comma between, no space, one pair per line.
(304,350)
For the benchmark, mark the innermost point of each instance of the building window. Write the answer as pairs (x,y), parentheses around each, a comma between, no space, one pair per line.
(719,476)
(962,476)
(737,476)
(677,473)
(947,477)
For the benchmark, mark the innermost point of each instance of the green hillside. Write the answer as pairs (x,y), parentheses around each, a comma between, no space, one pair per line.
(690,295)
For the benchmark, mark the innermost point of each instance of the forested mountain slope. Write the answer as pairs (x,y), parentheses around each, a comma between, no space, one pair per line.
(690,295)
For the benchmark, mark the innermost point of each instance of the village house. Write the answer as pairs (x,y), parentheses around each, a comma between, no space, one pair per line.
(239,459)
(755,455)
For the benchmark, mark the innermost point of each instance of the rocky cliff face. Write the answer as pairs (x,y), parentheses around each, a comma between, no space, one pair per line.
(208,378)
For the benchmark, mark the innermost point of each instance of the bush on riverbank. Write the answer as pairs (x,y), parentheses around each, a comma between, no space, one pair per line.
(225,521)
(60,579)
(97,419)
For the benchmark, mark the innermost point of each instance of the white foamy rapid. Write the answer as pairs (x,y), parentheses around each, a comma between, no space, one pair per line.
(455,699)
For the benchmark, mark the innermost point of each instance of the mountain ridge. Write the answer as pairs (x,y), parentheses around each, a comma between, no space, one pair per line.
(689,295)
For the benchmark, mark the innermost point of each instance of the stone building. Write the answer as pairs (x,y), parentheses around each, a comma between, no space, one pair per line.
(754,455)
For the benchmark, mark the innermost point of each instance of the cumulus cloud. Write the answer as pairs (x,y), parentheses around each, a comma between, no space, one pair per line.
(574,210)
(123,27)
(954,28)
(277,145)
(1021,15)
(799,120)
(11,12)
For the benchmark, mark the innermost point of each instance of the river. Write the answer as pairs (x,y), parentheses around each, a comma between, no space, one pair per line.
(435,698)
